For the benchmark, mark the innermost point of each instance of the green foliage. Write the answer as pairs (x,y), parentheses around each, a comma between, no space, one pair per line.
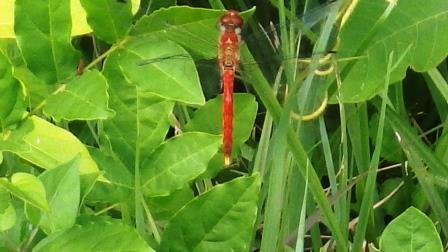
(208,118)
(177,162)
(121,151)
(11,95)
(7,218)
(407,24)
(43,31)
(96,236)
(110,20)
(62,187)
(128,62)
(28,188)
(84,98)
(220,219)
(411,231)
(46,145)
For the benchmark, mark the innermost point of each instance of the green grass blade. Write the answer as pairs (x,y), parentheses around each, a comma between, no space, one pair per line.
(277,182)
(264,91)
(411,143)
(367,201)
(439,82)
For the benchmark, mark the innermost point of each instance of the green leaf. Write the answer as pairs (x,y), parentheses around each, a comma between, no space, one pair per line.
(177,162)
(11,97)
(109,19)
(46,145)
(28,188)
(141,120)
(7,218)
(93,237)
(141,123)
(62,185)
(190,27)
(139,63)
(221,219)
(83,98)
(411,231)
(422,23)
(43,28)
(208,118)
(193,28)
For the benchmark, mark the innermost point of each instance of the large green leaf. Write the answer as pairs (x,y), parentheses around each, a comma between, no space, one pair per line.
(208,118)
(193,28)
(83,98)
(63,192)
(221,219)
(46,145)
(11,96)
(109,19)
(141,122)
(411,231)
(43,29)
(92,237)
(28,188)
(79,17)
(142,118)
(423,24)
(139,63)
(177,162)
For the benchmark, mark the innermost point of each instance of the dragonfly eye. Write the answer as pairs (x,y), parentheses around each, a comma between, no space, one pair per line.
(231,18)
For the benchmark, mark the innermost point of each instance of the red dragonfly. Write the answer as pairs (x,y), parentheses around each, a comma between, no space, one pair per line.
(228,59)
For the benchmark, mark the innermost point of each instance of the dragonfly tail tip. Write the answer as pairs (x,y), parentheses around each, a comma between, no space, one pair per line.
(226,160)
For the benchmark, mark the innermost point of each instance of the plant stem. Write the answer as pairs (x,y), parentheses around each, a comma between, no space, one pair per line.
(107,53)
(30,239)
(104,210)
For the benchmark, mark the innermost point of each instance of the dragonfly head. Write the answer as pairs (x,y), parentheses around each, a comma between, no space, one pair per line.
(231,21)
